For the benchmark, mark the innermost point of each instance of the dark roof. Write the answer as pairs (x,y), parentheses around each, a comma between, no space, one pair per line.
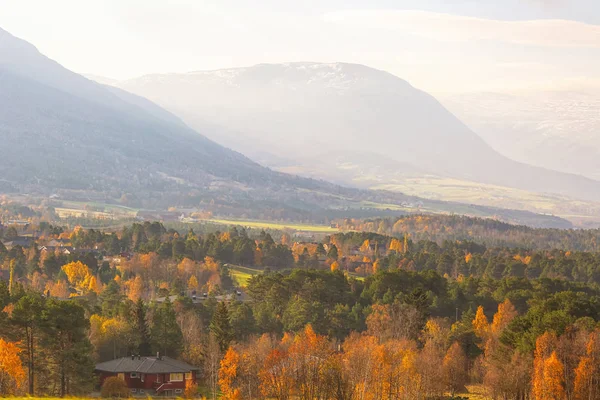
(146,365)
(20,241)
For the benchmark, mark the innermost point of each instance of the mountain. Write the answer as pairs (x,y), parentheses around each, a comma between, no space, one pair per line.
(66,136)
(307,111)
(553,129)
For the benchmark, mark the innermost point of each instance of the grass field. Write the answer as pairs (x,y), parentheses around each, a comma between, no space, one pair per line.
(241,275)
(76,209)
(467,192)
(275,225)
(476,392)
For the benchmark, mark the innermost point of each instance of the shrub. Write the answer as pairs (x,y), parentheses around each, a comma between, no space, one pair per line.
(114,387)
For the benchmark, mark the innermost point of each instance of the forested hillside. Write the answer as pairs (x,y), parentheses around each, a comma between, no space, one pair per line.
(358,315)
(490,232)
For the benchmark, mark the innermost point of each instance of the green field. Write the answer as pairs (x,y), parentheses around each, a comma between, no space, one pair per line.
(466,192)
(275,225)
(241,275)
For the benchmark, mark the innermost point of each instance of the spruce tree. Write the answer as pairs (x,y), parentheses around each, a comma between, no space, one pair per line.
(141,326)
(166,334)
(221,326)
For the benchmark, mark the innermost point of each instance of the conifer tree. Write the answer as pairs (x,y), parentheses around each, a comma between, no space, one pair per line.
(220,325)
(166,334)
(141,327)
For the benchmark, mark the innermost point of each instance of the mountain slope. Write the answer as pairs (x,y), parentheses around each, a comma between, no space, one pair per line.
(64,134)
(304,110)
(551,129)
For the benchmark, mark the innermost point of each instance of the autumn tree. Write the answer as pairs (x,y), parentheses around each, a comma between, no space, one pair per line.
(454,368)
(212,363)
(587,373)
(276,376)
(228,373)
(553,383)
(334,266)
(12,374)
(363,355)
(307,355)
(114,387)
(27,319)
(77,272)
(192,331)
(506,313)
(545,385)
(193,283)
(481,325)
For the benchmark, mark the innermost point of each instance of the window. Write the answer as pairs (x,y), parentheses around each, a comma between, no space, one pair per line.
(133,390)
(121,376)
(134,375)
(159,378)
(176,377)
(142,391)
(188,376)
(142,376)
(178,390)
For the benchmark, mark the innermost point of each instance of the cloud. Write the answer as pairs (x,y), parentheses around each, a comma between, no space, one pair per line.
(453,28)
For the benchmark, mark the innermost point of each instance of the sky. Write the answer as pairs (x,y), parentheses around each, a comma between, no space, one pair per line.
(441,46)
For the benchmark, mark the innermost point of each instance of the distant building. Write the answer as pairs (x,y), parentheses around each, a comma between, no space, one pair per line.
(23,241)
(147,376)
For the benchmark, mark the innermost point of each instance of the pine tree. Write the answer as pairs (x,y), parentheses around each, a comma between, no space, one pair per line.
(166,334)
(333,253)
(68,347)
(221,326)
(141,327)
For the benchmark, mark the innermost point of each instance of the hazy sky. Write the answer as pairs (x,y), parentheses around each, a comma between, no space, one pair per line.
(438,45)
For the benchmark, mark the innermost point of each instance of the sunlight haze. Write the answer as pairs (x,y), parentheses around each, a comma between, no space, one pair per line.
(441,47)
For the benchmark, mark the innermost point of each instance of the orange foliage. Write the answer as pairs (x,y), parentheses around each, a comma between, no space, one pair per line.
(12,374)
(481,325)
(228,374)
(506,313)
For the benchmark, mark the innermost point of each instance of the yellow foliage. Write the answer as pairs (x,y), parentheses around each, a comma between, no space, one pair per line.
(228,374)
(76,272)
(506,313)
(12,374)
(480,324)
(335,266)
(193,283)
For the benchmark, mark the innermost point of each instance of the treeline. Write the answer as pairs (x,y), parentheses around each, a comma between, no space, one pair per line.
(421,318)
(44,346)
(370,252)
(490,232)
(386,364)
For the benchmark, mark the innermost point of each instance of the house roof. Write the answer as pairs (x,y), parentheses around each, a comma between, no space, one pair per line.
(146,365)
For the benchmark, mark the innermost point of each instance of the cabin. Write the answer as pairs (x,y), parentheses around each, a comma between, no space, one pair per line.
(150,376)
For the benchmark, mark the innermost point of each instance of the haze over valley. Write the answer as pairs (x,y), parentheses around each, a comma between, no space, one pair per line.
(313,200)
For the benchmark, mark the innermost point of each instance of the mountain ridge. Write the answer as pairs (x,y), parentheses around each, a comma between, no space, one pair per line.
(71,137)
(268,100)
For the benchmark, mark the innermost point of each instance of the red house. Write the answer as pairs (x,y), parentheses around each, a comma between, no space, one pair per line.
(161,376)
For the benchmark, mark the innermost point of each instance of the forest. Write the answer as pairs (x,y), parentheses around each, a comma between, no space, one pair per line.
(357,315)
(488,231)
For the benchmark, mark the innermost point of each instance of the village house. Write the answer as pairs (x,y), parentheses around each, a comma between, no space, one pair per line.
(148,376)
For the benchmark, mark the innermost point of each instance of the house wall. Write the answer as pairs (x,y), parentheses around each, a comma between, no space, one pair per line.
(150,382)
